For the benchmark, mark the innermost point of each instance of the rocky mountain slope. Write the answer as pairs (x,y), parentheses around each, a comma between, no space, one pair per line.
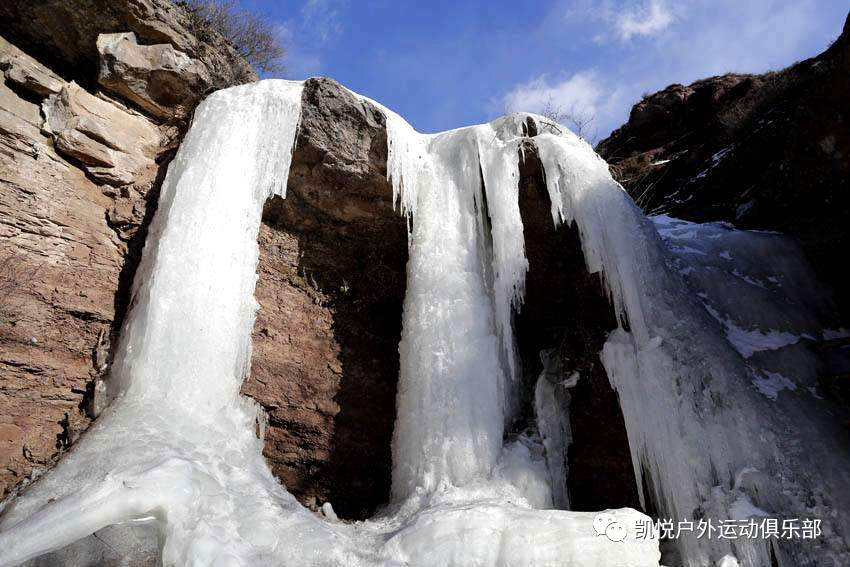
(769,152)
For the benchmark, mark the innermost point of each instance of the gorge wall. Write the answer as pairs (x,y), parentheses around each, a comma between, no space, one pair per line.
(94,100)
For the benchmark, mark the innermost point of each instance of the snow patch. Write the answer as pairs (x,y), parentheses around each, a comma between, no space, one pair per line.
(771,383)
(748,342)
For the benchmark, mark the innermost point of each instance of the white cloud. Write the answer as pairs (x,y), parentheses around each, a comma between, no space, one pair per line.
(585,100)
(645,20)
(577,94)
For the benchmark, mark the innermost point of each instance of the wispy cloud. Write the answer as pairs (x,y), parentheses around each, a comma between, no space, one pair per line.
(307,34)
(682,41)
(322,18)
(623,20)
(643,20)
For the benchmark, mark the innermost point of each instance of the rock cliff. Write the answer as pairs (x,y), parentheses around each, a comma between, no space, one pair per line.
(767,152)
(93,102)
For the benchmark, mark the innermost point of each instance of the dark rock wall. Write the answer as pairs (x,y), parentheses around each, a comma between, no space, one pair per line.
(566,309)
(331,286)
(63,34)
(765,152)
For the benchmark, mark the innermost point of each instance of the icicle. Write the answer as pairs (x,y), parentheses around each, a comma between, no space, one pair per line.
(500,167)
(449,424)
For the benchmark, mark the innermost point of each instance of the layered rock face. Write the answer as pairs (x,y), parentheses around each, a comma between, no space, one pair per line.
(81,157)
(64,35)
(765,151)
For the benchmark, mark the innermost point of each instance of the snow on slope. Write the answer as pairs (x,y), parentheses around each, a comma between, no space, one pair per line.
(177,448)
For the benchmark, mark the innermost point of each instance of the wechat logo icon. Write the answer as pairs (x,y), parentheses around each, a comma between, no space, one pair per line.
(605,524)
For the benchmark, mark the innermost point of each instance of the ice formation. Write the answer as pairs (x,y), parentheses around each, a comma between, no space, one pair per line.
(177,449)
(701,432)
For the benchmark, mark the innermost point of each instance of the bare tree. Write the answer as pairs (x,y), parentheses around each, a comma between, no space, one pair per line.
(250,33)
(580,123)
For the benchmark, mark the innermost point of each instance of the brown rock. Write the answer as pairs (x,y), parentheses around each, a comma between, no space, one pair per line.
(63,34)
(113,145)
(159,79)
(62,266)
(27,73)
(331,286)
(19,120)
(64,269)
(19,108)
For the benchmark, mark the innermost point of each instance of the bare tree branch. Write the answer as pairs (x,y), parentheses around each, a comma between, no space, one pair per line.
(251,34)
(580,123)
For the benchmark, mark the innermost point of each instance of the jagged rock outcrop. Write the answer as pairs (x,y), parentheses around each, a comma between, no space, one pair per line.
(79,175)
(765,151)
(63,34)
(157,78)
(27,74)
(114,146)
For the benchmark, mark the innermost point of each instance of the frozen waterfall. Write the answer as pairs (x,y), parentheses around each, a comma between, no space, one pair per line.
(177,448)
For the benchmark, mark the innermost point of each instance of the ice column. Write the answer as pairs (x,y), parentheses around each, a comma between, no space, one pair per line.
(450,410)
(177,443)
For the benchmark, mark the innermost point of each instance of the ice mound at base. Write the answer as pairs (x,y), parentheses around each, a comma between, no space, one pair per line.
(177,448)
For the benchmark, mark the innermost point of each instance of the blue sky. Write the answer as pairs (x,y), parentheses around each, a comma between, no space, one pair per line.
(444,64)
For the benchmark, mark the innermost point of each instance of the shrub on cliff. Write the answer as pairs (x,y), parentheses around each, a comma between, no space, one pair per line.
(249,32)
